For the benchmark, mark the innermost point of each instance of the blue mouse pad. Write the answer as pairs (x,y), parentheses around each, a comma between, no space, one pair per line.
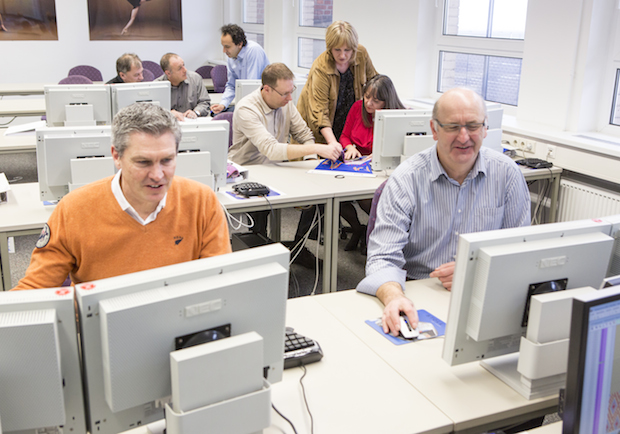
(429,327)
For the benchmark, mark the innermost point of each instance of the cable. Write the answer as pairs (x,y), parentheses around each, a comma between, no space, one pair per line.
(239,222)
(284,417)
(3,125)
(303,389)
(316,256)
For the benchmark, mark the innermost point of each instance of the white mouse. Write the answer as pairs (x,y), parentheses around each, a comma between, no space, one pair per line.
(406,331)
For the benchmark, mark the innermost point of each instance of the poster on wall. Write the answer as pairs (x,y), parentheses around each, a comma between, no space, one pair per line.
(28,20)
(135,20)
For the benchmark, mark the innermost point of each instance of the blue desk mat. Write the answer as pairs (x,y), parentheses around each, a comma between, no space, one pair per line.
(423,316)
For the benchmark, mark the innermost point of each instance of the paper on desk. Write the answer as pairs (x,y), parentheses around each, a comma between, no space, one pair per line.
(26,129)
(429,327)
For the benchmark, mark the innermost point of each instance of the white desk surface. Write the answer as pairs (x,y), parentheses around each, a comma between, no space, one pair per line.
(22,88)
(469,395)
(22,106)
(23,142)
(24,209)
(552,428)
(352,390)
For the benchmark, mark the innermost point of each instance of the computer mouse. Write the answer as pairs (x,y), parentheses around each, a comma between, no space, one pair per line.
(406,331)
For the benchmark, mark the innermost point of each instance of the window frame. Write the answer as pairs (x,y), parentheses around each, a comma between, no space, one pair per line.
(304,32)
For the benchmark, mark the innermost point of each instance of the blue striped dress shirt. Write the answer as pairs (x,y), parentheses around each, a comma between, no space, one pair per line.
(422,211)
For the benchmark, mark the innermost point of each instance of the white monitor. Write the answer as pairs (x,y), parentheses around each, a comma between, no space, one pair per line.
(69,157)
(391,129)
(40,374)
(77,105)
(244,87)
(125,94)
(200,136)
(496,273)
(130,324)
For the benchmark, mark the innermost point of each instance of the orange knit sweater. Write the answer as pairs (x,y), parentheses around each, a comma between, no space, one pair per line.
(92,238)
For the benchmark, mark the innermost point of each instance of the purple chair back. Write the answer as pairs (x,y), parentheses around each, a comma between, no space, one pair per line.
(76,79)
(226,116)
(147,75)
(87,71)
(219,76)
(372,216)
(153,67)
(205,71)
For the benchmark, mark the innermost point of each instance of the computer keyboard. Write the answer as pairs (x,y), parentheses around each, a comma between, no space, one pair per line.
(534,163)
(300,350)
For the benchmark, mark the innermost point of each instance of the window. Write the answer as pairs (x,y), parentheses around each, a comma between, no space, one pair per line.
(615,108)
(481,47)
(259,38)
(495,78)
(254,11)
(314,17)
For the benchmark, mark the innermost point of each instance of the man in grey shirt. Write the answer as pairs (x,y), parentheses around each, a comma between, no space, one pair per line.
(189,97)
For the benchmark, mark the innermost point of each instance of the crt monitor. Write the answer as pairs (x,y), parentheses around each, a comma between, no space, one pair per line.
(69,157)
(40,376)
(129,326)
(205,135)
(592,393)
(498,271)
(77,105)
(154,92)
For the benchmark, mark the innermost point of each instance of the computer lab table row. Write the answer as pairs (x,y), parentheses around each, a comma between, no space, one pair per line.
(293,186)
(367,384)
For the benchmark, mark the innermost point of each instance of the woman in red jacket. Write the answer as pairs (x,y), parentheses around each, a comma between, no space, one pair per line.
(356,140)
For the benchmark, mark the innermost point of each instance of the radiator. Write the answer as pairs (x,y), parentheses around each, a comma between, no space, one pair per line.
(580,201)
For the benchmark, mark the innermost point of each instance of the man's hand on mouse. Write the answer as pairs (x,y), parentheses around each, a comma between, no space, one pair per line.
(445,273)
(395,302)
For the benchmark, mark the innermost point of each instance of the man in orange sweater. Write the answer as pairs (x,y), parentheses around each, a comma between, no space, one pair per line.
(141,218)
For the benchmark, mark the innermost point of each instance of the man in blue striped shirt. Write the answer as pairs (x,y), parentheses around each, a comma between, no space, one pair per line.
(453,188)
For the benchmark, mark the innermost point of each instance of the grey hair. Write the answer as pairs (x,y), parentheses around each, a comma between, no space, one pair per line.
(143,118)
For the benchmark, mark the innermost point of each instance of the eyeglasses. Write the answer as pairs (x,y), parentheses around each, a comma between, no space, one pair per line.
(287,94)
(455,128)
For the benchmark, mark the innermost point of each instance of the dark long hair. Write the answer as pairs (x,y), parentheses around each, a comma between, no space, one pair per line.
(380,87)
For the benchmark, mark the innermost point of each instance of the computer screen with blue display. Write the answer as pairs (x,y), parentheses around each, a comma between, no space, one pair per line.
(130,324)
(592,402)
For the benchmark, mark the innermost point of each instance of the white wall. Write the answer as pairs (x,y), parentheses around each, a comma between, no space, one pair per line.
(50,61)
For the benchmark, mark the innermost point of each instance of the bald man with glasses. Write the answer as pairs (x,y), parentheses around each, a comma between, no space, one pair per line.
(453,188)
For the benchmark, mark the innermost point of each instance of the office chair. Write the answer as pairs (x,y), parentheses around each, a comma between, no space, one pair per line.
(226,116)
(219,74)
(147,75)
(205,71)
(87,71)
(153,67)
(76,79)
(372,216)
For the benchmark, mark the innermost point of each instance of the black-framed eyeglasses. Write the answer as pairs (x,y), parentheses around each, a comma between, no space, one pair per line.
(287,94)
(474,127)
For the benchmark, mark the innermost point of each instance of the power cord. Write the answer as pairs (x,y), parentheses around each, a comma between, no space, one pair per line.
(284,417)
(303,389)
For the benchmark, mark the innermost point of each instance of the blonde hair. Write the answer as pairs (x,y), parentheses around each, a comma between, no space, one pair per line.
(341,33)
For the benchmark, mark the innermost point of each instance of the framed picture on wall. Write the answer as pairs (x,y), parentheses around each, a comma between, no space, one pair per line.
(28,20)
(136,20)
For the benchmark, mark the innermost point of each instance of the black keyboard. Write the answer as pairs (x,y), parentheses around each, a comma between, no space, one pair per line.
(300,350)
(535,163)
(248,189)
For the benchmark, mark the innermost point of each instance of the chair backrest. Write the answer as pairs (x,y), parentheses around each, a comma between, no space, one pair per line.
(147,75)
(76,79)
(226,116)
(219,76)
(153,67)
(205,71)
(87,71)
(372,215)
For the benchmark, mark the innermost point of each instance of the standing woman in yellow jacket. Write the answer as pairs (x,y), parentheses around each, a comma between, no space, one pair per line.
(335,81)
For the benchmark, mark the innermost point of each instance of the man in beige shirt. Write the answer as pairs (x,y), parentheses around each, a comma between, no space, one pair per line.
(264,120)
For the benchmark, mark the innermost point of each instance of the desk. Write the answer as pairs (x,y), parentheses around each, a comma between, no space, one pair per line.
(208,83)
(22,107)
(468,394)
(17,143)
(21,88)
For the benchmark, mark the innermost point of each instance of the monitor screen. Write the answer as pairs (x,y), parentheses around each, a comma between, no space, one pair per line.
(69,157)
(592,400)
(130,324)
(497,272)
(40,377)
(390,129)
(155,92)
(206,135)
(77,105)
